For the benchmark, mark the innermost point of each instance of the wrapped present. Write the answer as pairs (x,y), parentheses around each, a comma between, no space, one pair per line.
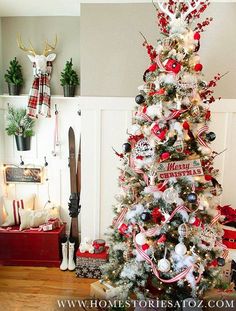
(88,265)
(100,290)
(50,225)
(99,246)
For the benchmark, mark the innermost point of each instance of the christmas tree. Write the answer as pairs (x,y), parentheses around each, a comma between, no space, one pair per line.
(165,239)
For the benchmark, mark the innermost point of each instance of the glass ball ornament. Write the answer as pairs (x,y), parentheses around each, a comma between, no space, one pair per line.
(192,197)
(145,216)
(180,249)
(126,147)
(221,261)
(163,265)
(210,136)
(139,99)
(170,195)
(140,239)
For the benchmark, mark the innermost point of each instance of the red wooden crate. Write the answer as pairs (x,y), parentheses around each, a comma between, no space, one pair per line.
(31,247)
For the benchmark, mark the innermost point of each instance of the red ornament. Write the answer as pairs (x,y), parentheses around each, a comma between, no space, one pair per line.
(186,125)
(158,132)
(196,36)
(214,263)
(172,66)
(165,156)
(122,228)
(208,115)
(161,187)
(195,221)
(161,91)
(208,177)
(145,247)
(157,215)
(198,67)
(153,67)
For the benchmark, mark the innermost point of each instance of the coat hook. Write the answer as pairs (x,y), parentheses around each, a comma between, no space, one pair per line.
(21,161)
(45,161)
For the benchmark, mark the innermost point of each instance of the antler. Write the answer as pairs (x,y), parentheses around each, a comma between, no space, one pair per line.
(164,8)
(48,47)
(191,8)
(22,47)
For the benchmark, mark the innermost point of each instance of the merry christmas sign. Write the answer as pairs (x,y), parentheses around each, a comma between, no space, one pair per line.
(179,169)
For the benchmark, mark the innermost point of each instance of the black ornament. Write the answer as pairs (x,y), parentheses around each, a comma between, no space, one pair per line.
(126,147)
(221,261)
(139,99)
(211,136)
(192,197)
(145,216)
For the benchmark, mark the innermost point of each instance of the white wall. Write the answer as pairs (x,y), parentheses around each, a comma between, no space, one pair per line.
(41,146)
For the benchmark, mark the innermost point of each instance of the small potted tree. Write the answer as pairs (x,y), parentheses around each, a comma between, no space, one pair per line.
(14,77)
(69,79)
(20,125)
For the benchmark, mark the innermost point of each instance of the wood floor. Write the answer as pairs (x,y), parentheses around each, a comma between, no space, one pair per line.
(44,289)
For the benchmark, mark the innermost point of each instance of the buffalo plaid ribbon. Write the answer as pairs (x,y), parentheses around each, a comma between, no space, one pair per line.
(39,102)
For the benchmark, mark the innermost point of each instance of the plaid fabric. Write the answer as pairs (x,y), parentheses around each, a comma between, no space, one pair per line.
(39,102)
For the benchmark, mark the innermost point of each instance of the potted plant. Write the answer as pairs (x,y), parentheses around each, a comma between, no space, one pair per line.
(69,79)
(20,125)
(14,77)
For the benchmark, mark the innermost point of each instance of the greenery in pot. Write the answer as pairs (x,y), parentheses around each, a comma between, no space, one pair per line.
(14,74)
(69,79)
(19,123)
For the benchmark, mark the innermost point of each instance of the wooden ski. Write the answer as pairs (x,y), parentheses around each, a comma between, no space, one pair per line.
(74,207)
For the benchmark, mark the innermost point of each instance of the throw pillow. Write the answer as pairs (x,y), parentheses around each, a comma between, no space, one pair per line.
(11,208)
(32,219)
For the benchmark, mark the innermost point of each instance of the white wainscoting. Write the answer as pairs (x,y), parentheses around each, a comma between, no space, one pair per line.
(103,125)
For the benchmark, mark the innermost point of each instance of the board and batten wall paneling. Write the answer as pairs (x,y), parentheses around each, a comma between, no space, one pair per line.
(113,59)
(103,126)
(41,146)
(37,29)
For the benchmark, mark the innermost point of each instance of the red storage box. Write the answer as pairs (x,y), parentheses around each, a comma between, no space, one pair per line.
(88,265)
(31,247)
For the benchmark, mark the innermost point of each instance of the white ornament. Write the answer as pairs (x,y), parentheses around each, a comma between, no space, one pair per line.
(205,150)
(140,239)
(170,195)
(183,230)
(180,249)
(163,265)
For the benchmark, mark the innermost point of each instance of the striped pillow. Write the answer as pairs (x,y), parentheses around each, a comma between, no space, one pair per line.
(11,208)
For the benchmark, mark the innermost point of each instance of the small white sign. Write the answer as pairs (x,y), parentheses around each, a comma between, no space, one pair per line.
(179,169)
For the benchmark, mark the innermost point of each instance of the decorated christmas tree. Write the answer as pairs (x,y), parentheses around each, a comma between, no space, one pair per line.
(165,239)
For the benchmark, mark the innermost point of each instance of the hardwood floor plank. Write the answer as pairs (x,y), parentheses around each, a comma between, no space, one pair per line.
(40,288)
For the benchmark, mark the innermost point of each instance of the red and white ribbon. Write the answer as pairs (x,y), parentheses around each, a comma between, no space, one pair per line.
(202,130)
(225,249)
(176,278)
(117,221)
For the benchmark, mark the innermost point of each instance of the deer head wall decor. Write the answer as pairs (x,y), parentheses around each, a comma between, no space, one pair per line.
(39,102)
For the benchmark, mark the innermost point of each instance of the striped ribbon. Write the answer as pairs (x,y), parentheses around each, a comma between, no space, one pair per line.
(199,133)
(215,219)
(176,278)
(144,116)
(138,170)
(117,221)
(159,63)
(225,249)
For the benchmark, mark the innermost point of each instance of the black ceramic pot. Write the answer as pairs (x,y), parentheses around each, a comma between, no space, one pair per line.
(69,90)
(13,89)
(22,143)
